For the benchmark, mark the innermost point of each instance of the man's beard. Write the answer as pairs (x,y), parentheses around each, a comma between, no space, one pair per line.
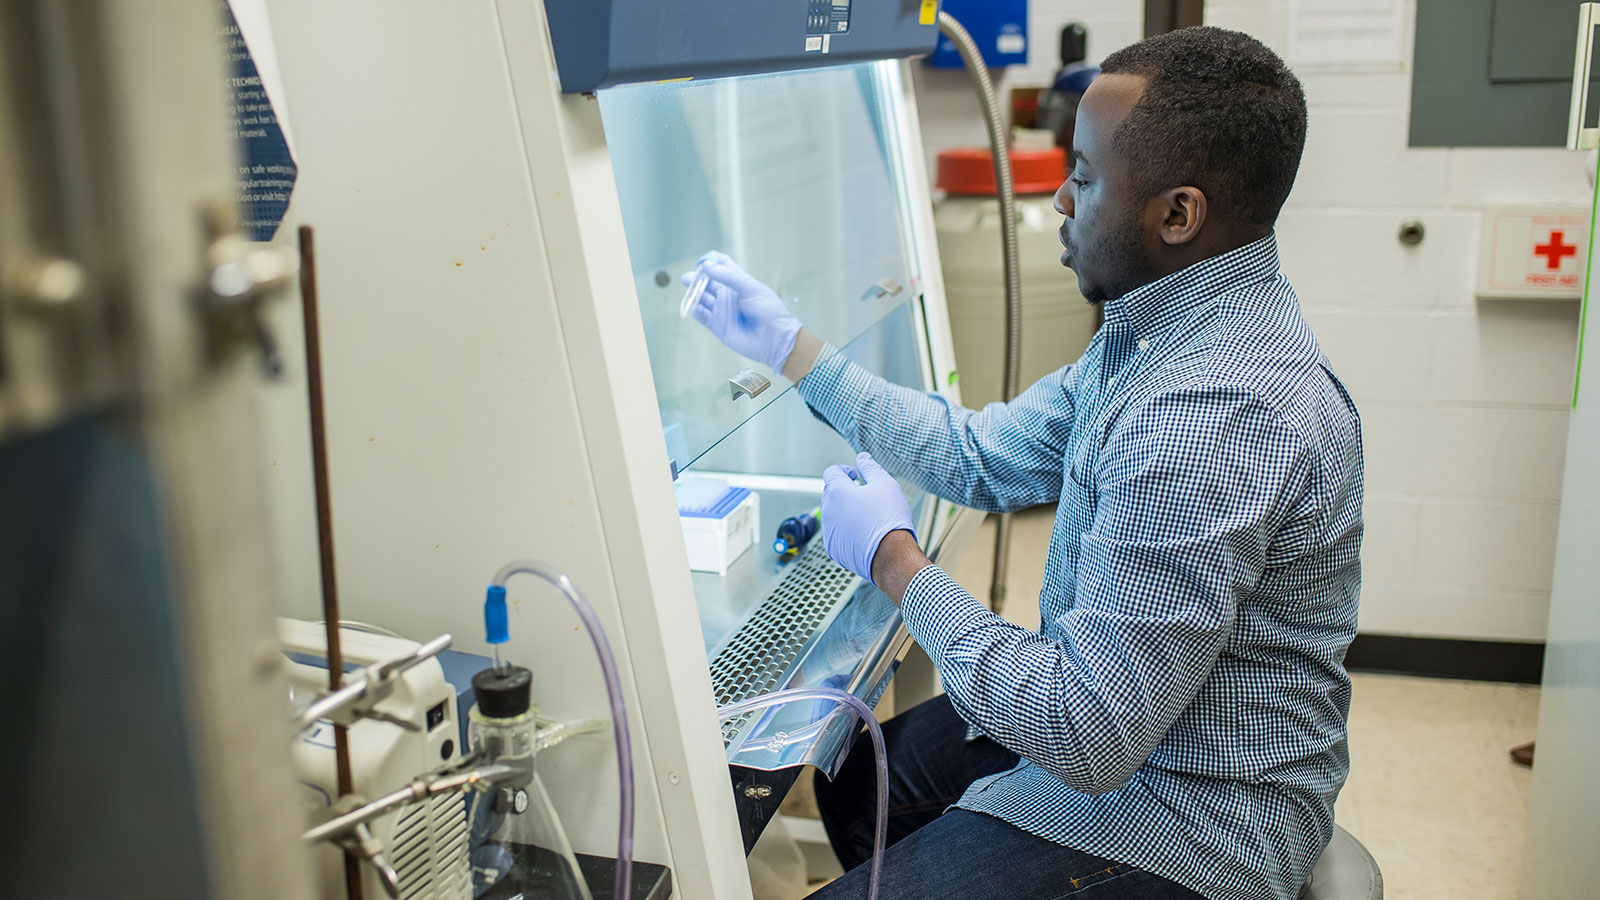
(1122,261)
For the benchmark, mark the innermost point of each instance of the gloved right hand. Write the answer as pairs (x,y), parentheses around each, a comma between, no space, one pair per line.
(856,516)
(744,314)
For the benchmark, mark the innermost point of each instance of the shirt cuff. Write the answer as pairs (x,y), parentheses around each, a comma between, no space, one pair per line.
(836,389)
(938,611)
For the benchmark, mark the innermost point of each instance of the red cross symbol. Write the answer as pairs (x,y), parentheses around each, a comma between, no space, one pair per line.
(1554,251)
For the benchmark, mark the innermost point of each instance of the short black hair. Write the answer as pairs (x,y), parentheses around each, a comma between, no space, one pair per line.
(1220,111)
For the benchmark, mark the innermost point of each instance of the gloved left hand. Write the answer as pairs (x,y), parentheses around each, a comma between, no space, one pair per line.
(856,517)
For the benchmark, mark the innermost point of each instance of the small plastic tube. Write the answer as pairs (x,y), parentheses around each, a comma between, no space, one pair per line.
(880,755)
(693,294)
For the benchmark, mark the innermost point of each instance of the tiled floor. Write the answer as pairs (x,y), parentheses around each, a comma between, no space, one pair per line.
(1431,793)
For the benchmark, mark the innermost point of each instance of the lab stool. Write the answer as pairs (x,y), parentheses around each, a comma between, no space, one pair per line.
(1346,871)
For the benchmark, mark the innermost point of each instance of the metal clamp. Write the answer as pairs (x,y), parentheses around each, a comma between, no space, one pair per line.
(356,700)
(347,823)
(747,383)
(1580,136)
(361,843)
(346,820)
(43,283)
(239,277)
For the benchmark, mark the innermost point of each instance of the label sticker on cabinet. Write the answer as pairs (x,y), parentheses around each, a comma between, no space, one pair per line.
(266,172)
(813,43)
(930,10)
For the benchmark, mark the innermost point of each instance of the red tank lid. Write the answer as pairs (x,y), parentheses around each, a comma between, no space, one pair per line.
(970,171)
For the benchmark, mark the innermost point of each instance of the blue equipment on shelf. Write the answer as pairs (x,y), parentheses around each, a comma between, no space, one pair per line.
(999,27)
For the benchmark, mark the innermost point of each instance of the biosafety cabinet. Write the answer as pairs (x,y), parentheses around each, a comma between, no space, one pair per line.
(508,374)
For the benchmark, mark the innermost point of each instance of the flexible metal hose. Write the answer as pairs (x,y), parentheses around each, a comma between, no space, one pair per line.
(1006,193)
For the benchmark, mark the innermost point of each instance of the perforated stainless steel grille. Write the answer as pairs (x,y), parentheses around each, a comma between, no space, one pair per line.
(761,653)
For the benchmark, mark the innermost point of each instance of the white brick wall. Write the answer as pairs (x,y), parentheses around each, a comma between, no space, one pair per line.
(1463,401)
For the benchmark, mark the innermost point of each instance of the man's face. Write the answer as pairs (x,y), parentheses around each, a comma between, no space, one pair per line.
(1104,230)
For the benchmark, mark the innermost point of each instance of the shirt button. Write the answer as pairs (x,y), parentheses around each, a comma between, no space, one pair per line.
(1144,343)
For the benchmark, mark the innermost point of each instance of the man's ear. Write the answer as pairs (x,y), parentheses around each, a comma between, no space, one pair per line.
(1183,213)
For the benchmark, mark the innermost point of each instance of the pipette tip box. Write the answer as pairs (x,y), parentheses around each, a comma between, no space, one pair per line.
(719,522)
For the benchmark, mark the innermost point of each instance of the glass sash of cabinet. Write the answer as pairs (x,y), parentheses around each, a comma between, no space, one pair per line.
(799,178)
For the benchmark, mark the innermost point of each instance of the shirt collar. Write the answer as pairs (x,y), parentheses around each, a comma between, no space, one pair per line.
(1161,304)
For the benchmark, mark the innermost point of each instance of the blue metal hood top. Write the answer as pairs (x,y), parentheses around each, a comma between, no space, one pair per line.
(602,43)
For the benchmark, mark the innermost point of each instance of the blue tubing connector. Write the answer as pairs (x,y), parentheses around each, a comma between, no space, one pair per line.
(495,625)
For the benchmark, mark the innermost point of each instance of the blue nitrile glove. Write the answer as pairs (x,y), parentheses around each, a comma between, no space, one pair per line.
(856,517)
(744,314)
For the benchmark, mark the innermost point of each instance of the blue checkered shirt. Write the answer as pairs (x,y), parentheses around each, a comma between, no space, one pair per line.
(1182,707)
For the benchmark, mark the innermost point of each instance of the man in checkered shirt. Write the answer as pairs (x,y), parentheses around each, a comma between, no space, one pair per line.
(1176,727)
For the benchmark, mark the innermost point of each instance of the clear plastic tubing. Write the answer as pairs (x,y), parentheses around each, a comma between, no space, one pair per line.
(555,732)
(880,756)
(623,885)
(692,295)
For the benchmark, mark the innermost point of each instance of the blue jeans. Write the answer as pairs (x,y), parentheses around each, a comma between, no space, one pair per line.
(959,853)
